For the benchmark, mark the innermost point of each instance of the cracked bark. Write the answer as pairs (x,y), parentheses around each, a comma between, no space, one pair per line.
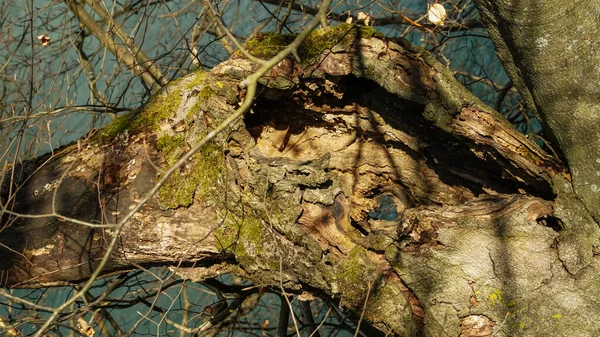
(475,241)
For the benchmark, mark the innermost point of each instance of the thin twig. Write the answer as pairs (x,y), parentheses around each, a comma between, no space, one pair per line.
(362,313)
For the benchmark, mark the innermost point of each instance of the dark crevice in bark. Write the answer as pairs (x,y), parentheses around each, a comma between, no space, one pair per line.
(452,158)
(552,222)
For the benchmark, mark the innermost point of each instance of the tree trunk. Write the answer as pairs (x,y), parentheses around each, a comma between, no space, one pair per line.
(553,50)
(364,169)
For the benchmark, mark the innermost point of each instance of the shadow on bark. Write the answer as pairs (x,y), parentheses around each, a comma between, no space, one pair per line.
(367,171)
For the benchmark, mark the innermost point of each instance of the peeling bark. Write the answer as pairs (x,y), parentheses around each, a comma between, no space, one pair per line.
(369,167)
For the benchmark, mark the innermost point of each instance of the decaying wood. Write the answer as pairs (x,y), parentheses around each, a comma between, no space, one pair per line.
(369,167)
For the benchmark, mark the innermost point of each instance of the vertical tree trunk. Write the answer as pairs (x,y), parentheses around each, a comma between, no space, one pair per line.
(551,50)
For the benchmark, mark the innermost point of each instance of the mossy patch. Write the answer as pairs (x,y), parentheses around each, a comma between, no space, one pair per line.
(160,107)
(171,147)
(266,45)
(241,235)
(118,126)
(341,36)
(204,95)
(354,277)
(199,79)
(199,182)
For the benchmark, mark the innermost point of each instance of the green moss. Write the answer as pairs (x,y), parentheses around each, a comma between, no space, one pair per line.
(341,36)
(171,147)
(241,236)
(205,93)
(181,188)
(203,96)
(160,107)
(235,230)
(440,116)
(278,83)
(199,78)
(267,45)
(354,277)
(118,126)
(527,154)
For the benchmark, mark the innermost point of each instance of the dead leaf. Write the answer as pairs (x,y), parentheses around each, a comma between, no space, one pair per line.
(44,40)
(85,328)
(437,14)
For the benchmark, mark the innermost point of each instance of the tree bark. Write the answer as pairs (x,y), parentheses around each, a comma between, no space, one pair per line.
(365,166)
(551,50)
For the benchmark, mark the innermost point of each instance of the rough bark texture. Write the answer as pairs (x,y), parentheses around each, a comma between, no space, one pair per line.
(365,166)
(552,52)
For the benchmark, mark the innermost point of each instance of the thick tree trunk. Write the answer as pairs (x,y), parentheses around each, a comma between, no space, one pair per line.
(552,51)
(366,166)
